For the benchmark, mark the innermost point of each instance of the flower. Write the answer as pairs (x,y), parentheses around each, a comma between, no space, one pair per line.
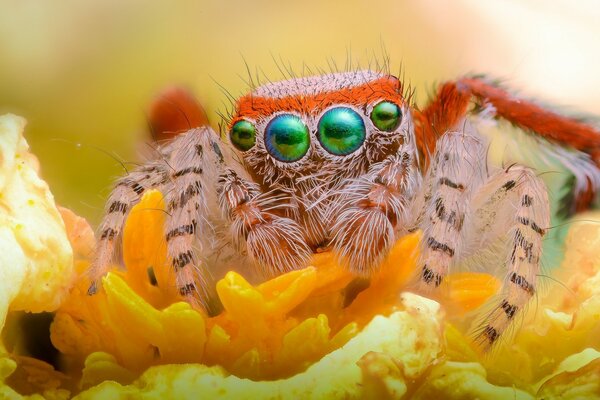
(317,332)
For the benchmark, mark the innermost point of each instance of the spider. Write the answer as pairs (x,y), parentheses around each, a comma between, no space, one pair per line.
(345,161)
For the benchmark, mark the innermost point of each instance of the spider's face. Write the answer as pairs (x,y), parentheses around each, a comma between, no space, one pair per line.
(333,125)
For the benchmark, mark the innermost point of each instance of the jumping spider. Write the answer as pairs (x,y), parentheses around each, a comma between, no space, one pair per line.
(345,161)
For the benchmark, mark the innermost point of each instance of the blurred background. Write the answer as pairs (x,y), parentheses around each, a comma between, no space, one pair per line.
(84,71)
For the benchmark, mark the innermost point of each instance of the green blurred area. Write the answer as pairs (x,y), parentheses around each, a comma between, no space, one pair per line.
(83,72)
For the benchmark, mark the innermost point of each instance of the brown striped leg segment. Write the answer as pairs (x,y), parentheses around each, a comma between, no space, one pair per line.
(125,195)
(275,243)
(513,201)
(458,168)
(370,210)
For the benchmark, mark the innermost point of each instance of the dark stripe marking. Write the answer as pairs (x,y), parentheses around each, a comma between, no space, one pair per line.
(108,233)
(429,275)
(118,206)
(452,219)
(182,230)
(187,289)
(199,150)
(526,245)
(491,333)
(522,283)
(449,183)
(183,259)
(532,224)
(509,309)
(436,246)
(137,188)
(509,185)
(527,201)
(190,191)
(189,170)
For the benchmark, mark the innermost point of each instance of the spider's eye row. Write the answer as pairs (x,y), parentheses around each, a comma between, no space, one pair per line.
(386,116)
(243,135)
(287,138)
(341,131)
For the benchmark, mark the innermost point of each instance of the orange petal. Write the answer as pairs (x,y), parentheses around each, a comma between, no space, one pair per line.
(469,290)
(145,253)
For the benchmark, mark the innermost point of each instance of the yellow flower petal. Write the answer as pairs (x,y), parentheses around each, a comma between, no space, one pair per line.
(578,377)
(411,338)
(100,367)
(381,296)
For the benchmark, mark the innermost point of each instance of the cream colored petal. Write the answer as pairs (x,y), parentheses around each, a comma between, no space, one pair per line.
(36,259)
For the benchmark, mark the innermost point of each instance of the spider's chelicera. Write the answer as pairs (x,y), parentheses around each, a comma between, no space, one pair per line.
(344,161)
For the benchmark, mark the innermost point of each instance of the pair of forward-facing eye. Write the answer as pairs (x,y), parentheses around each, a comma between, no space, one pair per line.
(341,131)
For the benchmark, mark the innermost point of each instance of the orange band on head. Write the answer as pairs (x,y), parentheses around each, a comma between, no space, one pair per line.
(254,107)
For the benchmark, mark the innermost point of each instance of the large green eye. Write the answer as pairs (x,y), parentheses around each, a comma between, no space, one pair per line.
(341,131)
(386,116)
(243,135)
(286,138)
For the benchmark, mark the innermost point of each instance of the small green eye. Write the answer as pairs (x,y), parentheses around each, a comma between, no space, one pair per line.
(286,138)
(386,116)
(243,135)
(341,131)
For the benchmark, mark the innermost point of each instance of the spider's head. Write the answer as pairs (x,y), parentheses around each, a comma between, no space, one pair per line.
(323,126)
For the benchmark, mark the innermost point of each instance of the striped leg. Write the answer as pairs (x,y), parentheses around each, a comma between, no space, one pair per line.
(513,201)
(195,163)
(125,195)
(457,170)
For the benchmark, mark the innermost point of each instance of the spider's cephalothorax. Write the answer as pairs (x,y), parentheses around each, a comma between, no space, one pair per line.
(344,161)
(331,148)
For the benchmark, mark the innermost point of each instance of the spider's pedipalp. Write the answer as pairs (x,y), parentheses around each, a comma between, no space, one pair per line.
(275,243)
(127,192)
(512,206)
(457,169)
(371,209)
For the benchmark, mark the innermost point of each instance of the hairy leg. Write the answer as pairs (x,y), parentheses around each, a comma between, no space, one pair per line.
(457,170)
(127,192)
(451,105)
(194,164)
(512,206)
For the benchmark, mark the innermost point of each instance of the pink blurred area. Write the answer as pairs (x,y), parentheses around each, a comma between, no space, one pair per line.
(83,72)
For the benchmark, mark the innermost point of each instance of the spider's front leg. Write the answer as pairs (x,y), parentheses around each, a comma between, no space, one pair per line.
(512,207)
(200,165)
(458,168)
